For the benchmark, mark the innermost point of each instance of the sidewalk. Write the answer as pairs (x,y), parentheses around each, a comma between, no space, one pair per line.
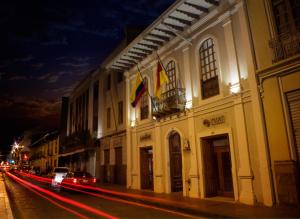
(5,210)
(207,207)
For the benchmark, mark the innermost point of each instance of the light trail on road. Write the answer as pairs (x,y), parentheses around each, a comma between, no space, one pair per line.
(63,199)
(64,185)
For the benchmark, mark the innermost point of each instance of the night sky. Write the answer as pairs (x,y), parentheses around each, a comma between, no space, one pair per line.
(47,47)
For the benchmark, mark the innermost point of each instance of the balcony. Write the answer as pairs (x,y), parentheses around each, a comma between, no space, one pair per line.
(285,46)
(75,141)
(172,101)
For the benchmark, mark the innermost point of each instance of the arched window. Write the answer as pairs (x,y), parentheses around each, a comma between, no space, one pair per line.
(145,102)
(209,76)
(171,72)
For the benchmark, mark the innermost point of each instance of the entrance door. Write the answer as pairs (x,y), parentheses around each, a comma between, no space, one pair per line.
(217,166)
(106,174)
(175,162)
(118,165)
(146,158)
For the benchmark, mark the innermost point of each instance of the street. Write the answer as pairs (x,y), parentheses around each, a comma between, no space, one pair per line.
(32,199)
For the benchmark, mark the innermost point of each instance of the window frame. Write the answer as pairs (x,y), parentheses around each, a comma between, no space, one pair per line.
(208,69)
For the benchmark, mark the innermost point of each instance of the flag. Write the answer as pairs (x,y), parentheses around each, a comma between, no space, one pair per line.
(161,78)
(137,91)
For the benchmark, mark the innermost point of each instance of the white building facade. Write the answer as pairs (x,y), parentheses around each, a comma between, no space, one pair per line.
(205,137)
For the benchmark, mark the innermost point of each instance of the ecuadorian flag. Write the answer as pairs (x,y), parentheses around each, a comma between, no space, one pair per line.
(137,91)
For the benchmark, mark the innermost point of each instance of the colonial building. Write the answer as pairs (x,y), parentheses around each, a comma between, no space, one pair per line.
(205,136)
(44,152)
(78,141)
(94,123)
(275,28)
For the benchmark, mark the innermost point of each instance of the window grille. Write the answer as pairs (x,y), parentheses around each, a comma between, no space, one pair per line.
(209,76)
(171,72)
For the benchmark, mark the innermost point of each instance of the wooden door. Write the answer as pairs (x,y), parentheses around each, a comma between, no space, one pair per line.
(146,161)
(210,169)
(106,174)
(217,166)
(175,162)
(118,165)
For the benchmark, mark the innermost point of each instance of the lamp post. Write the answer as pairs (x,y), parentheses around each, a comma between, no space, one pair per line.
(16,151)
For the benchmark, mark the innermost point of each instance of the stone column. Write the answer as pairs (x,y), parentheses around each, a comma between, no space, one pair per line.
(157,160)
(193,173)
(244,172)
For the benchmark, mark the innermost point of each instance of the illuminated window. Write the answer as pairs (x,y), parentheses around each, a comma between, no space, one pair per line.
(145,102)
(209,76)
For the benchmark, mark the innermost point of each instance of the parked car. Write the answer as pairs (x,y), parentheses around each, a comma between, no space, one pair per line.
(58,175)
(80,177)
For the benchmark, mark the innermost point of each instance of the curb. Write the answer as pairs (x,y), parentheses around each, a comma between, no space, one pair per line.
(3,193)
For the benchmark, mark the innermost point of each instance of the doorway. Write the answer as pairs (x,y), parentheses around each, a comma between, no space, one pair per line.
(118,166)
(175,162)
(106,173)
(146,160)
(217,166)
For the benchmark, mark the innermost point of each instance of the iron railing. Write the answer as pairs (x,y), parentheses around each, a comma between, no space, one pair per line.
(171,102)
(285,47)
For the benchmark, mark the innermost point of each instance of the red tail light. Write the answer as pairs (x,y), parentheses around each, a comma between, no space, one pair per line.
(74,180)
(94,180)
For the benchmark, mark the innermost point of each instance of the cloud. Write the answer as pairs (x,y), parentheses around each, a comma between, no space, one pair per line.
(63,41)
(2,74)
(18,78)
(76,65)
(106,33)
(29,107)
(38,65)
(24,59)
(52,77)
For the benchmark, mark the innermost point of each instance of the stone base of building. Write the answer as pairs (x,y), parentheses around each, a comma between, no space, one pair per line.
(287,181)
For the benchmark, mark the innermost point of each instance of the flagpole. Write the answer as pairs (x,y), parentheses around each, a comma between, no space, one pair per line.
(161,62)
(137,65)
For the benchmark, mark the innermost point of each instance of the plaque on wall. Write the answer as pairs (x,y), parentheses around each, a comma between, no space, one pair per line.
(145,137)
(214,121)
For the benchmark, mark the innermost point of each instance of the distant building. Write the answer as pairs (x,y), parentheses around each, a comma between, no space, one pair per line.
(44,152)
(275,28)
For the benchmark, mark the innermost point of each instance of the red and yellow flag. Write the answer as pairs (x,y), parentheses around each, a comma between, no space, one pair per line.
(161,78)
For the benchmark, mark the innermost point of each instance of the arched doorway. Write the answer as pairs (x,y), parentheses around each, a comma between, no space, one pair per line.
(175,162)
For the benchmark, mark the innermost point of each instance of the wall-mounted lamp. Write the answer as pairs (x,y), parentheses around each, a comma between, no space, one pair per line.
(189,104)
(235,88)
(132,123)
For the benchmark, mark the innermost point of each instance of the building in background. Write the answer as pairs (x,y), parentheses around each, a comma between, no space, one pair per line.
(44,153)
(277,66)
(78,144)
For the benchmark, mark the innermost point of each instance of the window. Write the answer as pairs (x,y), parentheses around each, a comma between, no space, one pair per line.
(120,112)
(108,81)
(209,76)
(171,72)
(108,118)
(145,102)
(120,77)
(287,16)
(287,20)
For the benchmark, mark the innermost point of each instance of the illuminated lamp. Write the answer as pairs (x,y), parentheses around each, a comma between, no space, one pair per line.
(235,88)
(132,123)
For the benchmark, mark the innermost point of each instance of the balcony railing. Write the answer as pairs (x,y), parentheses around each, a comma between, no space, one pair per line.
(286,46)
(77,141)
(172,101)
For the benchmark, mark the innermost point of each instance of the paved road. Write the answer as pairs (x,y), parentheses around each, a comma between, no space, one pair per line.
(26,203)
